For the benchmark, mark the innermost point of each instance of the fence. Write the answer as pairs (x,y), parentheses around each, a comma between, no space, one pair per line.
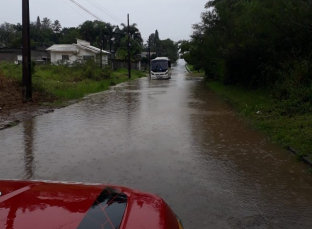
(116,64)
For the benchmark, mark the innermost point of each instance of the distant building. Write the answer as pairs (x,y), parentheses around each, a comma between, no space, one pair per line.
(145,54)
(15,56)
(19,59)
(81,51)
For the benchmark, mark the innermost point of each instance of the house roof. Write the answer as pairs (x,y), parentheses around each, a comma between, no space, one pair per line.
(63,48)
(91,48)
(76,47)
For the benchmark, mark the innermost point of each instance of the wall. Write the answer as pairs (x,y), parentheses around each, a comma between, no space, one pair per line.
(116,64)
(10,55)
(57,56)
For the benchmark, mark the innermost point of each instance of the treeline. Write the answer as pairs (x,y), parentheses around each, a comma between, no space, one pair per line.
(256,43)
(112,37)
(159,47)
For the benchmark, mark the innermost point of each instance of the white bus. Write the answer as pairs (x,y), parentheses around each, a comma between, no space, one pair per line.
(161,68)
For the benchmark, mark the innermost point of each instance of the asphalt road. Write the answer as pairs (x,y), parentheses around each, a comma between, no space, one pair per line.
(174,138)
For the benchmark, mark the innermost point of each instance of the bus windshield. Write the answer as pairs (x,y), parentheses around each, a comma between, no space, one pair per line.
(159,66)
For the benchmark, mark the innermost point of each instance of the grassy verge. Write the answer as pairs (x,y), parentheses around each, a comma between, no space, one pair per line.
(287,122)
(196,73)
(66,83)
(268,114)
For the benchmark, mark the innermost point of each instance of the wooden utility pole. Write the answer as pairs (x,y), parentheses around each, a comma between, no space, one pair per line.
(129,57)
(149,56)
(27,90)
(101,54)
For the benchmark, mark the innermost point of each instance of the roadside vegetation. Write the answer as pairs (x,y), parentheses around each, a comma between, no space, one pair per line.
(113,38)
(194,71)
(271,116)
(257,54)
(63,83)
(267,114)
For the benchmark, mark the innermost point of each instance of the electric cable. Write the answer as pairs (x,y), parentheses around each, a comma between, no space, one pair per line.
(75,10)
(85,9)
(106,11)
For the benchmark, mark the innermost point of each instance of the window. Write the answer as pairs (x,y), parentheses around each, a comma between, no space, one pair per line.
(65,57)
(159,65)
(88,57)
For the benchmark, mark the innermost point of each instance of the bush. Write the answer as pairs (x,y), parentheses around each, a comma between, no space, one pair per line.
(92,71)
(294,88)
(38,85)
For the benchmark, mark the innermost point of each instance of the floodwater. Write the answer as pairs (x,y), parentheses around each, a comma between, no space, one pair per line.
(174,138)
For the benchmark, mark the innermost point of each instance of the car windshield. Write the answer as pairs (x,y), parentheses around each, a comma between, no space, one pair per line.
(159,66)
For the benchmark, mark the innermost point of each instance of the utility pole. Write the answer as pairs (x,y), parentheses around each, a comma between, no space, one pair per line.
(102,45)
(129,57)
(149,56)
(27,90)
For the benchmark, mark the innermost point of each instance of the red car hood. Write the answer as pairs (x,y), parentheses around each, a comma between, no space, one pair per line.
(25,204)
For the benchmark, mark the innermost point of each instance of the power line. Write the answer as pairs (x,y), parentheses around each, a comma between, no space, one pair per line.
(103,9)
(85,9)
(75,10)
(108,10)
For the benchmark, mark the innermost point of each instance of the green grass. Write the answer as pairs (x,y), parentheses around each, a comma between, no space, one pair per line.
(270,116)
(70,83)
(194,72)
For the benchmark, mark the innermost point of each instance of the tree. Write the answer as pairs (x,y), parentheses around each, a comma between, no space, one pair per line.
(136,42)
(93,31)
(46,23)
(56,26)
(122,52)
(118,36)
(169,49)
(150,42)
(38,25)
(157,44)
(7,34)
(109,35)
(163,47)
(69,35)
(254,42)
(133,31)
(156,37)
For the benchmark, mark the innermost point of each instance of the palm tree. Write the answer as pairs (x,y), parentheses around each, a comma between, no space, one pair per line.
(136,41)
(118,35)
(109,34)
(133,31)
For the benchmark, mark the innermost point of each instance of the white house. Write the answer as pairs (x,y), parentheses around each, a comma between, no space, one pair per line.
(76,52)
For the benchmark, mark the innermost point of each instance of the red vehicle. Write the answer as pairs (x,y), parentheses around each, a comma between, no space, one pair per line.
(38,204)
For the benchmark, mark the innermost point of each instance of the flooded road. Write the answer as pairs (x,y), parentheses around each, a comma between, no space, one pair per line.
(174,138)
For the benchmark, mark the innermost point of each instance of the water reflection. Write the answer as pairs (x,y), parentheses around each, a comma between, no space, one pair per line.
(67,203)
(274,184)
(165,137)
(28,130)
(11,216)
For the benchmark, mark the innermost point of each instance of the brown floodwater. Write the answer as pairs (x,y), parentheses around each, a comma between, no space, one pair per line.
(174,138)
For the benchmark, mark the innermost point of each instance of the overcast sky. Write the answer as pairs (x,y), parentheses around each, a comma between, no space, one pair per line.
(172,18)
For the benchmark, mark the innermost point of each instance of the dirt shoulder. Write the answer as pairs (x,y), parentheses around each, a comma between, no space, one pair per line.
(53,87)
(12,108)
